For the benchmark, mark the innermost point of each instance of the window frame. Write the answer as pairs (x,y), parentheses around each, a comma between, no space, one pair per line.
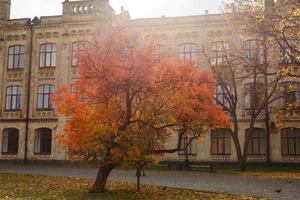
(285,94)
(218,135)
(295,138)
(16,56)
(161,52)
(12,96)
(188,55)
(220,93)
(45,95)
(191,150)
(286,53)
(220,54)
(252,97)
(12,141)
(261,138)
(43,141)
(76,51)
(253,52)
(45,54)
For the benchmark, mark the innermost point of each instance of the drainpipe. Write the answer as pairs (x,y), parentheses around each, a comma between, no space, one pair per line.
(30,25)
(268,12)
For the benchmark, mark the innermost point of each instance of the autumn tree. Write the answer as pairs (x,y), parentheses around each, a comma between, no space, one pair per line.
(127,104)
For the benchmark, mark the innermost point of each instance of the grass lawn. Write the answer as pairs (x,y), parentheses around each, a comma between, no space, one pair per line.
(27,187)
(285,172)
(263,171)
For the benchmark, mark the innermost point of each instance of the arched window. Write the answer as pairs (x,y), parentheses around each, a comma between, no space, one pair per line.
(258,142)
(77,48)
(48,55)
(13,97)
(221,142)
(188,51)
(10,141)
(289,93)
(16,57)
(44,95)
(290,141)
(43,141)
(220,53)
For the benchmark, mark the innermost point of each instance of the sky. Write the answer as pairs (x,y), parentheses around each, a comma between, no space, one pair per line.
(137,8)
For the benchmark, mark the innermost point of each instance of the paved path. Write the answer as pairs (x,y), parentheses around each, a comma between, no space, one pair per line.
(232,184)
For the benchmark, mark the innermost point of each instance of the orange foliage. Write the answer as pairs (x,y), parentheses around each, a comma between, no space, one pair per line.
(127,104)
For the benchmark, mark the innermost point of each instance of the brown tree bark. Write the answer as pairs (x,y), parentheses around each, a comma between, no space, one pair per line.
(103,172)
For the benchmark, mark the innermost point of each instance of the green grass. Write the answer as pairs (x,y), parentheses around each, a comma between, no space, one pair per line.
(27,187)
(260,169)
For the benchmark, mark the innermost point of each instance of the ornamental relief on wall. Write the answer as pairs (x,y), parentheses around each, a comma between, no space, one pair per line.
(12,115)
(45,114)
(14,75)
(46,74)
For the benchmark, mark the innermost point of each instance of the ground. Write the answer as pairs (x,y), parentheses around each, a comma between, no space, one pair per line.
(231,183)
(27,187)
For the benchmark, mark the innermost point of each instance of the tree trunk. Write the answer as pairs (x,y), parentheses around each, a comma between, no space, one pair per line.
(246,143)
(235,138)
(101,179)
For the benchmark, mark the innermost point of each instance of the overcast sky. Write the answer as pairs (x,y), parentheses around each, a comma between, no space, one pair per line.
(137,8)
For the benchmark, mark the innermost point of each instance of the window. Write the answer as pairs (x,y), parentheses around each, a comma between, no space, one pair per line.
(253,96)
(72,89)
(190,147)
(16,57)
(13,97)
(254,52)
(48,55)
(42,141)
(161,52)
(289,93)
(220,53)
(258,142)
(222,96)
(221,142)
(188,51)
(285,54)
(77,48)
(10,141)
(290,141)
(44,95)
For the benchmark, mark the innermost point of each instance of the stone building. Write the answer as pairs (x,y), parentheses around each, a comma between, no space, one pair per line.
(37,57)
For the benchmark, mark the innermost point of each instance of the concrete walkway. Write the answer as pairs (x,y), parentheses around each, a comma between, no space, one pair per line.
(214,182)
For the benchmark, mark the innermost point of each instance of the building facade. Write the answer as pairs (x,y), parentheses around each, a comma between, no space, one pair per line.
(37,56)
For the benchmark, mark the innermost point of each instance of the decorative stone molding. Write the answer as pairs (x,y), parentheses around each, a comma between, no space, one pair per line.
(16,37)
(9,156)
(46,74)
(45,114)
(256,158)
(42,157)
(186,35)
(191,157)
(220,157)
(81,32)
(291,158)
(48,35)
(14,75)
(74,71)
(12,115)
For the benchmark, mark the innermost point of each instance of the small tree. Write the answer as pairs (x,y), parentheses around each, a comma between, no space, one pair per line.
(127,105)
(249,63)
